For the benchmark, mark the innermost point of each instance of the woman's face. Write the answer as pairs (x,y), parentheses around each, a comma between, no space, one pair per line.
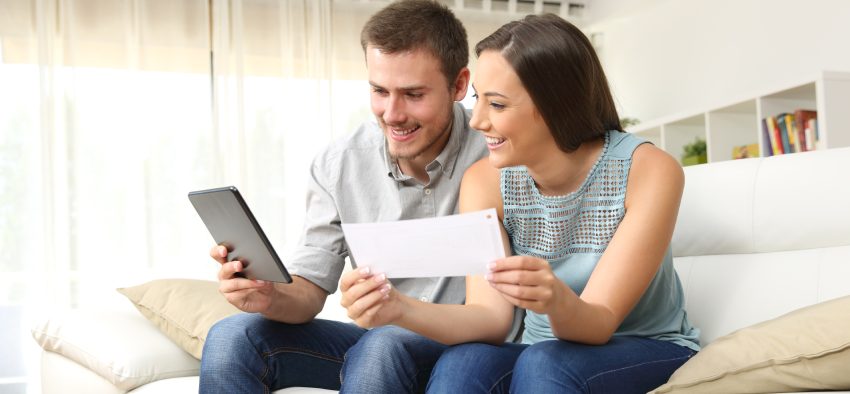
(504,112)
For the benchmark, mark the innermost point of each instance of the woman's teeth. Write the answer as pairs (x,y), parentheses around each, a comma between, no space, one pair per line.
(494,140)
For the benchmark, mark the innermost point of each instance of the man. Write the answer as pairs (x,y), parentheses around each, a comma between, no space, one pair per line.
(408,165)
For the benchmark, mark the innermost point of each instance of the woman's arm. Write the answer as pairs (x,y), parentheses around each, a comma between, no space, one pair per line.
(486,316)
(632,258)
(626,268)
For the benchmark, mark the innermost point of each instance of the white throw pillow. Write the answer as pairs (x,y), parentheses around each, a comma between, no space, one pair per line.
(121,346)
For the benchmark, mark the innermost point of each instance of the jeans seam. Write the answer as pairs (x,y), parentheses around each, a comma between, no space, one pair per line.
(499,381)
(267,355)
(412,384)
(587,382)
(302,351)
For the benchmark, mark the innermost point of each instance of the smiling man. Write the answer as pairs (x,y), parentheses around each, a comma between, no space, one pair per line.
(407,165)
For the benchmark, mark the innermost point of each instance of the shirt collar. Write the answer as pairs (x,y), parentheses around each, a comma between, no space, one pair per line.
(446,159)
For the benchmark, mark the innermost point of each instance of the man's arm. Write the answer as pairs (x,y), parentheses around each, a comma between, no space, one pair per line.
(294,303)
(316,265)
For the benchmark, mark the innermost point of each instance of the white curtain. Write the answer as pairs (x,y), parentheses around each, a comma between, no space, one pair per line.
(111,111)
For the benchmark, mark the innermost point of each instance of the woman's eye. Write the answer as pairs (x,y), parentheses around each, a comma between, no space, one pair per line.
(475,96)
(496,105)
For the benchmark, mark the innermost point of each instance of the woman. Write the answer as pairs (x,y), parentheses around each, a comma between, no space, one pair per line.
(588,211)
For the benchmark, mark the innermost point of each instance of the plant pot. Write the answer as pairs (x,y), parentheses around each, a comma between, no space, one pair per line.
(691,160)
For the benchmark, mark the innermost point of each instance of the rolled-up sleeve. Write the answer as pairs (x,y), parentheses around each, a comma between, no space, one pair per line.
(320,254)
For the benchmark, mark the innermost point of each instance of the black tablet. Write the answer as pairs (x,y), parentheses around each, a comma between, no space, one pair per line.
(231,224)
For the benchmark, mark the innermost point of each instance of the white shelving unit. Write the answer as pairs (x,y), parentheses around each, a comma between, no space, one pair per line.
(739,122)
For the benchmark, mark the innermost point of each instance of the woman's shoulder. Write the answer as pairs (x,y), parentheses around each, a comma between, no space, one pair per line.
(654,159)
(480,187)
(654,169)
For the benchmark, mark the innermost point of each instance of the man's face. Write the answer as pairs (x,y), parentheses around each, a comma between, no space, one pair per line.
(412,101)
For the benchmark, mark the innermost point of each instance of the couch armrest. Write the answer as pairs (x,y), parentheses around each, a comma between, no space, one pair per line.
(120,346)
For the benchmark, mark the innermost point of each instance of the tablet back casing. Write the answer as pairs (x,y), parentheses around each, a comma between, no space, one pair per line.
(228,219)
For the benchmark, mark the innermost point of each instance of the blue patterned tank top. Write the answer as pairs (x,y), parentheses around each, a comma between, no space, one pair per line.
(573,231)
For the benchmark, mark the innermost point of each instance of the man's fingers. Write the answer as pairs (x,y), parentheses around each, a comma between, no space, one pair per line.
(239,284)
(228,270)
(219,253)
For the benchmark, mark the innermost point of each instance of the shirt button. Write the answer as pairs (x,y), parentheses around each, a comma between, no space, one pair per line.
(428,191)
(423,299)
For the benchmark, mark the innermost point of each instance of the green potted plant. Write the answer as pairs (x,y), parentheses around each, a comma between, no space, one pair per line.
(694,153)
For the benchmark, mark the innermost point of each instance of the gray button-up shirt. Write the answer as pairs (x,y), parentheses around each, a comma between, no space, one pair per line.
(354,181)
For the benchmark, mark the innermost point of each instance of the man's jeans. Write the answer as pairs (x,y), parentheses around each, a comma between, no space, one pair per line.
(623,365)
(251,354)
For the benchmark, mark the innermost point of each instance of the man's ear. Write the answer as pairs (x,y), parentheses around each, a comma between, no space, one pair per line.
(461,84)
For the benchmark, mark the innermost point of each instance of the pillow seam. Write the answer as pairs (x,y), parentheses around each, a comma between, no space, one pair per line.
(763,364)
(108,365)
(168,320)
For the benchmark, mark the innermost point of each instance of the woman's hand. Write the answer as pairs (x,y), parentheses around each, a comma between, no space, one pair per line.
(527,282)
(369,299)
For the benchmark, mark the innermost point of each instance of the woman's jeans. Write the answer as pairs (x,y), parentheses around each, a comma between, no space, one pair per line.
(251,354)
(623,365)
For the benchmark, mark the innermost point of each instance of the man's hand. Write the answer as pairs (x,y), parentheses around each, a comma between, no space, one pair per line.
(527,282)
(369,299)
(246,294)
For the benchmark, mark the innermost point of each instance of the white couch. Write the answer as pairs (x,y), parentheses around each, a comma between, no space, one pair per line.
(755,239)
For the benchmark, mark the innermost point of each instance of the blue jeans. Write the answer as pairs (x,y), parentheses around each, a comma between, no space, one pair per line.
(251,354)
(623,365)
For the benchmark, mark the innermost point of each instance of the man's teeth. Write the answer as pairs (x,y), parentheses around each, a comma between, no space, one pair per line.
(494,140)
(404,131)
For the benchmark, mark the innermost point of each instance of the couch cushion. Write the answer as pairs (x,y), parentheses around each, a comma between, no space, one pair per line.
(801,201)
(808,349)
(184,309)
(761,205)
(190,385)
(724,293)
(119,345)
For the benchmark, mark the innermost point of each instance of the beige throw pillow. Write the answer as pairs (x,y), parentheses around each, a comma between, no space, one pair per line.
(807,349)
(183,309)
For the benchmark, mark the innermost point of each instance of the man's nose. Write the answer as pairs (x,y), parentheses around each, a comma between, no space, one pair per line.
(394,112)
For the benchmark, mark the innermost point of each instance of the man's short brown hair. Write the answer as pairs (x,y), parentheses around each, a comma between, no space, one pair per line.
(419,24)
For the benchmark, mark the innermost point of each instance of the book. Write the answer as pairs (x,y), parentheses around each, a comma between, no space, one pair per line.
(793,139)
(745,151)
(765,139)
(801,120)
(785,136)
(775,139)
(814,134)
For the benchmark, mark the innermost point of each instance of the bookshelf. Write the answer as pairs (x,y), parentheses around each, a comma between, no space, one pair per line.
(739,122)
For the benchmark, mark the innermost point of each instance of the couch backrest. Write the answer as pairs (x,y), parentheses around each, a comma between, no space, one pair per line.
(757,238)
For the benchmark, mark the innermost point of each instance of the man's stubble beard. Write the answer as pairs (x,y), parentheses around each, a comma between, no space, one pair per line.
(446,130)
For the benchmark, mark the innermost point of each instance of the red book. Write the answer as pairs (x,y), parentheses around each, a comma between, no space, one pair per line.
(801,119)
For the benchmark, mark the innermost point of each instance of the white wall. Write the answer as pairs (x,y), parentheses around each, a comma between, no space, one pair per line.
(678,56)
